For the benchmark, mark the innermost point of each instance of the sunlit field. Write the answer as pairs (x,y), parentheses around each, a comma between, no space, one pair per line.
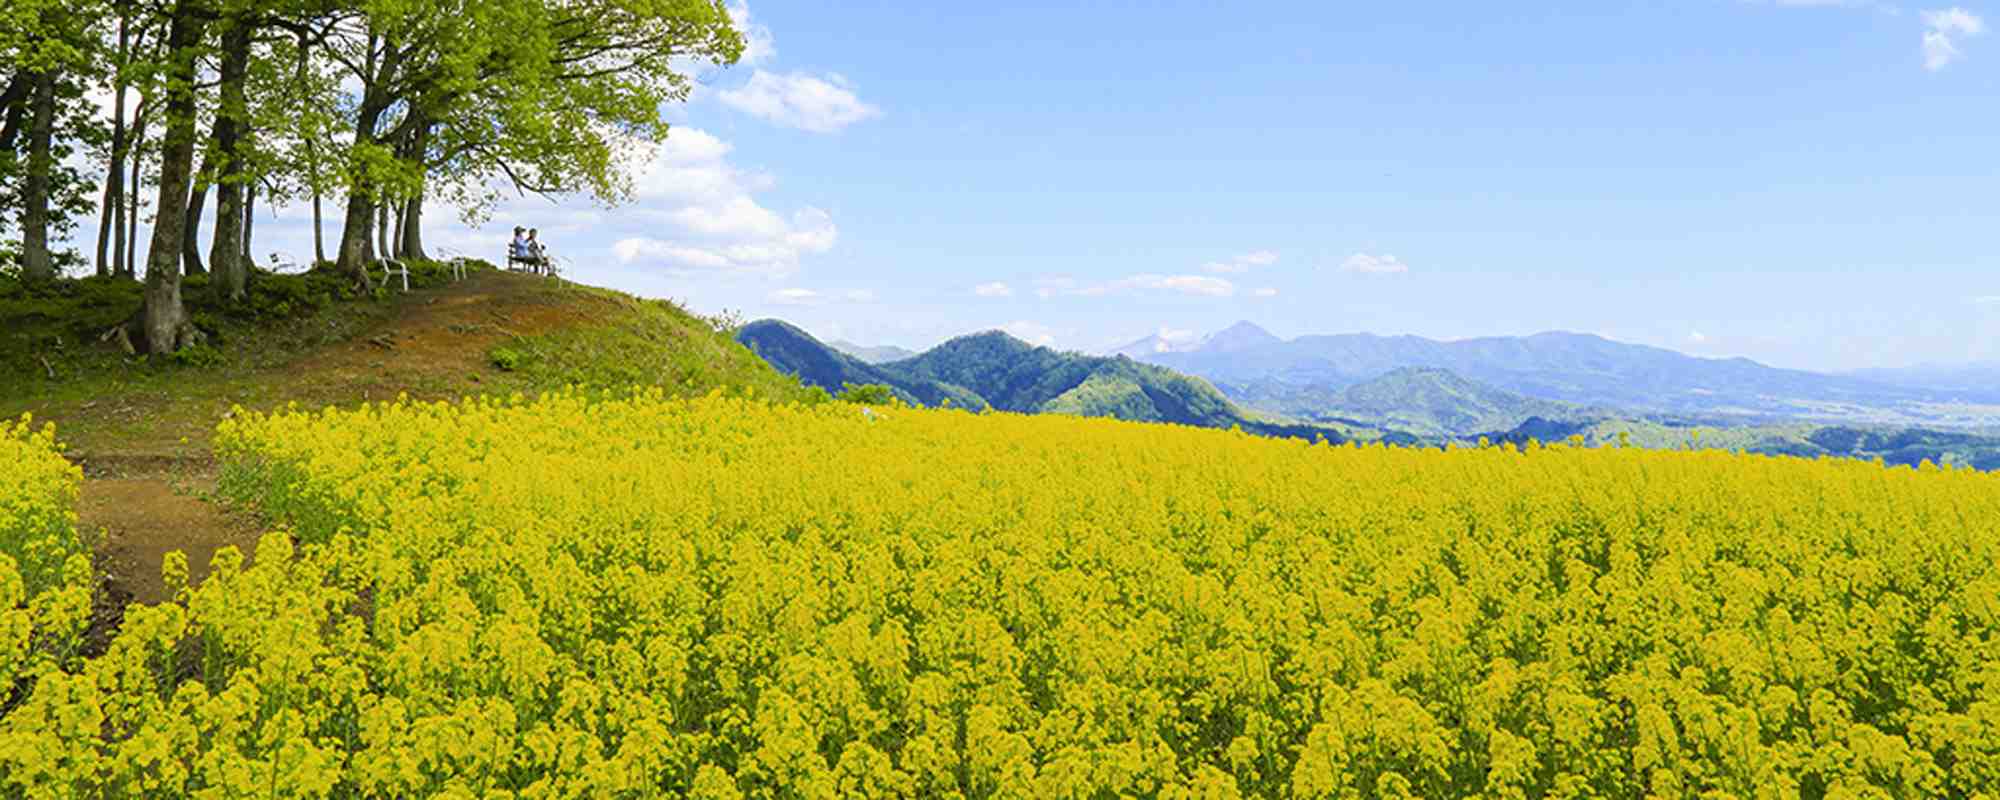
(722,598)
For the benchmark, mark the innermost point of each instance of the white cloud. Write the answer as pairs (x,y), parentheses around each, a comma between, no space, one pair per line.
(1264,292)
(799,100)
(1374,265)
(994,289)
(758,46)
(1697,337)
(712,219)
(794,297)
(1946,28)
(1033,333)
(1987,300)
(1242,263)
(858,296)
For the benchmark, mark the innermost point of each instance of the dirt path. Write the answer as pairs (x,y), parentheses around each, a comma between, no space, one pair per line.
(134,518)
(145,492)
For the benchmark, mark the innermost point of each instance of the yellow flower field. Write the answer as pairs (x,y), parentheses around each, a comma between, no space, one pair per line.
(638,597)
(45,576)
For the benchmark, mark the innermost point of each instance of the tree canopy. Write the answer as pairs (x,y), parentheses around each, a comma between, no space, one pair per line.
(139,109)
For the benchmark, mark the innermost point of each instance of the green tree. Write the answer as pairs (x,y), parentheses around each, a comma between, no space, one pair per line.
(163,322)
(46,52)
(546,97)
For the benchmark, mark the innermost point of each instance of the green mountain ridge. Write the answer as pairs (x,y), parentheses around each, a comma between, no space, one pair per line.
(797,353)
(995,370)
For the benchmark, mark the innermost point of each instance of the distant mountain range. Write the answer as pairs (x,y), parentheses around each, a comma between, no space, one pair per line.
(1976,383)
(1547,387)
(995,370)
(881,354)
(1572,368)
(1426,401)
(1235,338)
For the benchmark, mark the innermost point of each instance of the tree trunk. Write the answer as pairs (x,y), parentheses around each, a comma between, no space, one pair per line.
(310,137)
(164,320)
(14,102)
(135,195)
(382,230)
(357,236)
(191,228)
(249,217)
(231,131)
(111,229)
(356,239)
(409,211)
(413,237)
(319,233)
(36,264)
(105,210)
(111,219)
(396,238)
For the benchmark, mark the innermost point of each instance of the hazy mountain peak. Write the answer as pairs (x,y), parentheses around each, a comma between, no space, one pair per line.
(1240,336)
(878,354)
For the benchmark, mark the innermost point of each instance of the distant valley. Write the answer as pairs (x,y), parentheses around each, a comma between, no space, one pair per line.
(1424,401)
(1410,390)
(1591,371)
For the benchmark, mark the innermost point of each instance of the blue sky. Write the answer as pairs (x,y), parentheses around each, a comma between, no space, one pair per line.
(1811,184)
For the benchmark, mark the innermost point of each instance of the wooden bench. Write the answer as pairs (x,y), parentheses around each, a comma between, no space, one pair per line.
(540,266)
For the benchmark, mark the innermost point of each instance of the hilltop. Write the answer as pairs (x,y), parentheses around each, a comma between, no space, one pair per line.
(493,332)
(140,425)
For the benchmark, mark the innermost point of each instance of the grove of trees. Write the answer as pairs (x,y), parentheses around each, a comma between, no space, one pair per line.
(169,110)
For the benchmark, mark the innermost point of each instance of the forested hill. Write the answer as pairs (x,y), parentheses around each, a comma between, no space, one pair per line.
(814,363)
(995,370)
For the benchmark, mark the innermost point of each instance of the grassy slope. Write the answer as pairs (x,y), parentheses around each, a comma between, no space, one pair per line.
(440,342)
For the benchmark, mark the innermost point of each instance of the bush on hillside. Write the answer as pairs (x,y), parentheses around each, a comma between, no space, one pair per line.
(870,394)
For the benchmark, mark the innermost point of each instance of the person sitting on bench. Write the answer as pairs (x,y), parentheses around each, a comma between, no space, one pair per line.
(521,249)
(537,251)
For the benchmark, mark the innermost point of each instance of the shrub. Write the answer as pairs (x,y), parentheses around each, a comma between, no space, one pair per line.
(873,394)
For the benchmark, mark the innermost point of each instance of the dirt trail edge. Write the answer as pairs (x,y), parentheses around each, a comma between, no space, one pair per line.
(139,503)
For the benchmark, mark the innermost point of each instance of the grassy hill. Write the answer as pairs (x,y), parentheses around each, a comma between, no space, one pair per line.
(300,338)
(140,426)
